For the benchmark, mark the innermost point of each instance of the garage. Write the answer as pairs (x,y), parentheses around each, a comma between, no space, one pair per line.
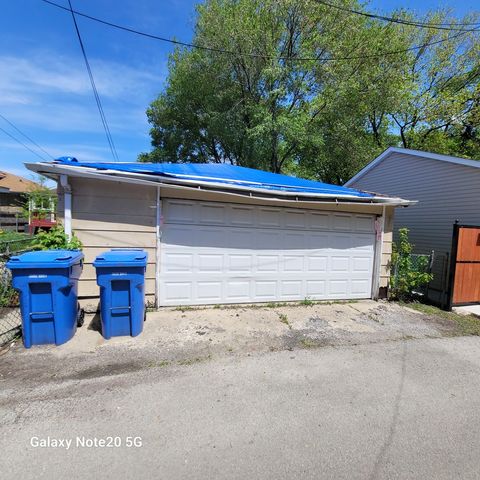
(231,253)
(223,234)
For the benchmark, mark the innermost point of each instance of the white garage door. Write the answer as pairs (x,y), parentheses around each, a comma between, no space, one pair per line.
(231,253)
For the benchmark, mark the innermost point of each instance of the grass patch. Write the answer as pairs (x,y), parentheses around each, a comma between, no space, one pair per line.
(464,324)
(308,343)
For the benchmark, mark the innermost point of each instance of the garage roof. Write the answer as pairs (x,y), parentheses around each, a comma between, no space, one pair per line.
(212,175)
(223,173)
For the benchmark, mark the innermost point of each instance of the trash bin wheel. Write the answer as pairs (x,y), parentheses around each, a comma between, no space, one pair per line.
(80,316)
(145,315)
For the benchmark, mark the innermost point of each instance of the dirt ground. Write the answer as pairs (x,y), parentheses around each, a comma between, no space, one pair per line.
(192,335)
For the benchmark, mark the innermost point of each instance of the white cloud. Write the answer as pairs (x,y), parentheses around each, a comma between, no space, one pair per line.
(52,92)
(50,73)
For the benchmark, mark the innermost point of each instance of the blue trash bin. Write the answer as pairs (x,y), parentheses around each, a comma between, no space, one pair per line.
(121,277)
(48,285)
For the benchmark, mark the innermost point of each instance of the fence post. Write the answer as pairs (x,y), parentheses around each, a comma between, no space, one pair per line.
(453,263)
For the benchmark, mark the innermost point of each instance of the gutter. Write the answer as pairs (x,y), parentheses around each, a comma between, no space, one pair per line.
(67,211)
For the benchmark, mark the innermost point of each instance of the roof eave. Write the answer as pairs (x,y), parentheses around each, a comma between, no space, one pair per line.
(52,170)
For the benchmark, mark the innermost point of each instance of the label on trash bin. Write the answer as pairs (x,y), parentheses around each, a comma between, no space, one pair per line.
(119,274)
(38,276)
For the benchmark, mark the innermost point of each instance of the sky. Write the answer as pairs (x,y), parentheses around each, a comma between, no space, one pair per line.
(44,86)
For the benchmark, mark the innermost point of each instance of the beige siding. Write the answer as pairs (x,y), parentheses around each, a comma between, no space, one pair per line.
(445,192)
(106,215)
(387,247)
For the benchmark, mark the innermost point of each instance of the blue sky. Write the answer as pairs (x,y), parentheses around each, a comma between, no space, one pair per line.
(44,87)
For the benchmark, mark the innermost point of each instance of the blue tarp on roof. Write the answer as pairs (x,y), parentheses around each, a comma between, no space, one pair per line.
(225,174)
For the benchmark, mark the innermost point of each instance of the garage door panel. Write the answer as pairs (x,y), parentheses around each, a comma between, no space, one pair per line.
(238,263)
(343,221)
(295,219)
(209,291)
(269,217)
(240,239)
(319,221)
(265,290)
(211,214)
(233,262)
(340,264)
(267,263)
(242,216)
(364,223)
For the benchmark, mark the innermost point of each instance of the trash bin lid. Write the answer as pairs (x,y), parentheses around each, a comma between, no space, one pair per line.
(45,259)
(122,258)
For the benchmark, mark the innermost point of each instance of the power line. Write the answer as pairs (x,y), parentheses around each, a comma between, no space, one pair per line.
(434,26)
(94,88)
(26,136)
(21,143)
(258,55)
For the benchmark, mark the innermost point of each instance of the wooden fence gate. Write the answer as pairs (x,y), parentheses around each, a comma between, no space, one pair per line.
(465,266)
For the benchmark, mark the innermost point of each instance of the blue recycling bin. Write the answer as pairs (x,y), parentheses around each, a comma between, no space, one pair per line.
(121,277)
(48,285)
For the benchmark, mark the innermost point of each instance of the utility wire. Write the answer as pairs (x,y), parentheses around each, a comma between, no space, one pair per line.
(21,143)
(258,55)
(94,87)
(26,136)
(434,26)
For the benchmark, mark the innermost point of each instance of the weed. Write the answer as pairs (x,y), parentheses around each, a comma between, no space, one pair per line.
(284,319)
(150,306)
(307,302)
(184,309)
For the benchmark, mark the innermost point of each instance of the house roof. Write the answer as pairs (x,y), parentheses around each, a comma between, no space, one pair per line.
(15,184)
(212,176)
(416,153)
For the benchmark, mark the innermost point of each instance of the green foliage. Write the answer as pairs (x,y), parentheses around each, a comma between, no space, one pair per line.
(315,118)
(408,272)
(56,239)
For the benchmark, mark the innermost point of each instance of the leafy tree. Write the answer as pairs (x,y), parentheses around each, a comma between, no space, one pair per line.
(308,89)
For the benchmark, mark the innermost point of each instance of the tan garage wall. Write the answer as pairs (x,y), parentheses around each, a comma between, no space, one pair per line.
(387,247)
(106,215)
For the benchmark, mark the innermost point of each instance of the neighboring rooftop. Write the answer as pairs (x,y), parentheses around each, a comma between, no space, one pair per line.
(15,184)
(416,153)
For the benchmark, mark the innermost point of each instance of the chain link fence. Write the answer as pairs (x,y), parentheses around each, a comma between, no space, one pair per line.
(418,263)
(10,317)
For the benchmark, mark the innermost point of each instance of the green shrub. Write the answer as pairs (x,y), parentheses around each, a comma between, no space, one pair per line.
(56,239)
(408,271)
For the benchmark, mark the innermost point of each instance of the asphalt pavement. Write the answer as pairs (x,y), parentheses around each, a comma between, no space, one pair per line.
(406,409)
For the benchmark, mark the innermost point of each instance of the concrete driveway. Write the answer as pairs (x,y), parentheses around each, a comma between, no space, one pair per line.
(406,409)
(194,334)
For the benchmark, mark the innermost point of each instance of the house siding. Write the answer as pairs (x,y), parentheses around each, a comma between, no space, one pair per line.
(445,192)
(106,215)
